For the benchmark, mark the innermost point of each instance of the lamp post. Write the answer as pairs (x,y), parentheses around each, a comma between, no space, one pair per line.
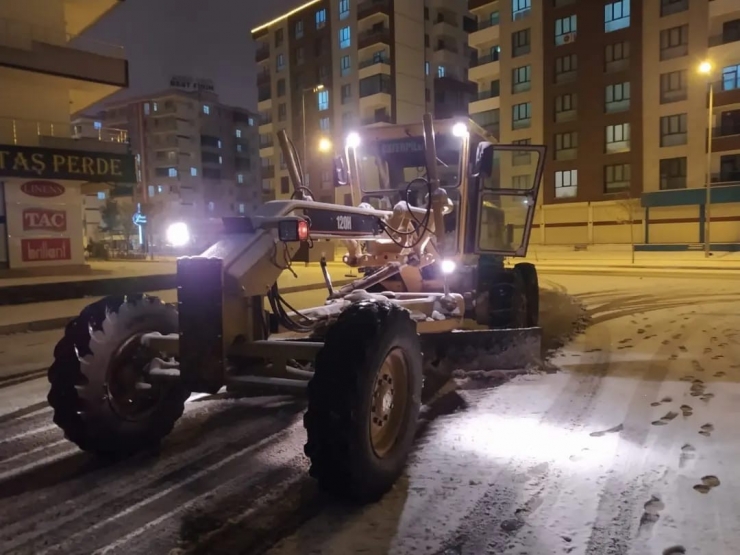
(705,68)
(314,90)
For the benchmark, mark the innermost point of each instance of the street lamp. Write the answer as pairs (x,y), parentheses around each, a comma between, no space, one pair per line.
(325,145)
(705,68)
(314,90)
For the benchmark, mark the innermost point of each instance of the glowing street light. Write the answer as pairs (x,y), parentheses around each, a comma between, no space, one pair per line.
(353,140)
(325,145)
(705,68)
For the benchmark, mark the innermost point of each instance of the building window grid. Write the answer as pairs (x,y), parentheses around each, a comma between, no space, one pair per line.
(343,9)
(566,183)
(674,42)
(521,115)
(566,67)
(731,78)
(298,29)
(323,100)
(617,97)
(566,106)
(616,15)
(521,78)
(617,178)
(321,18)
(565,142)
(673,86)
(520,8)
(565,29)
(618,137)
(344,66)
(345,37)
(520,43)
(673,130)
(673,173)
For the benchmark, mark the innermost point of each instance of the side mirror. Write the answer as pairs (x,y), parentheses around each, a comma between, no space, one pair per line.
(341,174)
(484,159)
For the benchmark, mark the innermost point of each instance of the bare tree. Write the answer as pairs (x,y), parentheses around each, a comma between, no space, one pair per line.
(626,213)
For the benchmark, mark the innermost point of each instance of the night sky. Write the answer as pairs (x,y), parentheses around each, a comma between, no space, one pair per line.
(199,38)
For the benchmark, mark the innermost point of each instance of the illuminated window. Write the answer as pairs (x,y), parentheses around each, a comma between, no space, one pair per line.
(240,178)
(206,109)
(97,125)
(344,66)
(238,133)
(616,15)
(172,172)
(211,206)
(441,71)
(323,100)
(344,37)
(343,9)
(320,18)
(194,172)
(566,183)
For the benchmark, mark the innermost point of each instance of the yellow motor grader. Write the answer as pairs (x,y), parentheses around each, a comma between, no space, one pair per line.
(437,206)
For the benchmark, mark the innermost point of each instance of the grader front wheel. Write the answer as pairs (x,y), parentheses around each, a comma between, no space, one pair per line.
(364,401)
(99,391)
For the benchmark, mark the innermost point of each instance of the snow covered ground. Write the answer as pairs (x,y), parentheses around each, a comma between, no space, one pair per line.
(631,448)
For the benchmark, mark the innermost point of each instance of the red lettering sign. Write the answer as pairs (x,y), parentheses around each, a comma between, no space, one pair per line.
(46,250)
(43,219)
(43,189)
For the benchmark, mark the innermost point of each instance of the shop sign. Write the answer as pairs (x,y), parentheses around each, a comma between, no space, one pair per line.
(46,249)
(77,165)
(42,219)
(42,189)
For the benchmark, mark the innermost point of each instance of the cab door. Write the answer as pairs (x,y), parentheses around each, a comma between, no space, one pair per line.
(507,182)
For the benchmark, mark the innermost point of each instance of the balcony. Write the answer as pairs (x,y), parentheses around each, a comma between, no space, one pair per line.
(484,67)
(379,117)
(475,4)
(487,32)
(97,69)
(371,7)
(262,53)
(263,79)
(727,91)
(485,101)
(719,8)
(726,137)
(674,7)
(37,133)
(374,66)
(371,37)
(446,25)
(566,154)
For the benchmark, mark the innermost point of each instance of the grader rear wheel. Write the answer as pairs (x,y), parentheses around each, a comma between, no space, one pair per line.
(364,401)
(99,392)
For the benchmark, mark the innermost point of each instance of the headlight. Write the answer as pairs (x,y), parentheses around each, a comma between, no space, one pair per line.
(448,266)
(178,234)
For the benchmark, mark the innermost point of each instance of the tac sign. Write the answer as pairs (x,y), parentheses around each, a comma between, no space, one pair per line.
(139,219)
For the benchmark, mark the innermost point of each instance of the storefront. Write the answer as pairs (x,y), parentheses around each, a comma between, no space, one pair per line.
(41,208)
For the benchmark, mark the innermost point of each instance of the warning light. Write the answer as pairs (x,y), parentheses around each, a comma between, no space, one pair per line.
(290,231)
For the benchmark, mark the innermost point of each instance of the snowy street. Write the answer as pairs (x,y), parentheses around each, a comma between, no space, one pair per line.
(628,446)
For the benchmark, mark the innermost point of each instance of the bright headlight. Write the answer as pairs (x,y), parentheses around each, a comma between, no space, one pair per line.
(448,266)
(178,234)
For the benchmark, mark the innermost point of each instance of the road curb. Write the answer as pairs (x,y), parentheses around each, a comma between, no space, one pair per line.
(20,377)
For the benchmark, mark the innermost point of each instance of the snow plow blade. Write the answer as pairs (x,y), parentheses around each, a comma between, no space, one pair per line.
(498,349)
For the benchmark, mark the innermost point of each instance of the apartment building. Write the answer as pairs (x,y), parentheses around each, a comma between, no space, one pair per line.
(331,66)
(614,88)
(48,170)
(198,159)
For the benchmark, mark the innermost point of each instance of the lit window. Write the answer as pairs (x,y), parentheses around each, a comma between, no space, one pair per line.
(172,172)
(566,183)
(251,121)
(441,71)
(565,30)
(151,191)
(155,106)
(101,195)
(239,148)
(240,178)
(194,172)
(520,8)
(618,97)
(323,100)
(343,9)
(324,124)
(238,133)
(616,15)
(344,66)
(344,37)
(521,115)
(211,206)
(160,189)
(731,77)
(146,108)
(618,138)
(220,160)
(320,18)
(241,204)
(97,125)
(219,143)
(426,68)
(206,109)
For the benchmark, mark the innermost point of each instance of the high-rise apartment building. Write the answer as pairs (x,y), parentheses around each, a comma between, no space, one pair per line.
(198,158)
(47,169)
(615,89)
(340,64)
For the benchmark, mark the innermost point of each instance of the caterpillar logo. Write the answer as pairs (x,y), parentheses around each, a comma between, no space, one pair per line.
(344,223)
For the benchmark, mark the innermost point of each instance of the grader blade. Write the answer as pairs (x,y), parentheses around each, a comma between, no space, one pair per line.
(468,350)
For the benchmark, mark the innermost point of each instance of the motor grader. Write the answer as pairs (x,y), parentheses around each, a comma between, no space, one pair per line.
(437,206)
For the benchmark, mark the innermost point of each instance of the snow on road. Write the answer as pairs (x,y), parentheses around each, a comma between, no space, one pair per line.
(627,448)
(630,449)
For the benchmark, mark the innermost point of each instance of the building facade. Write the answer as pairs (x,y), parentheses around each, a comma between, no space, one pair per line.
(47,169)
(198,159)
(338,65)
(614,89)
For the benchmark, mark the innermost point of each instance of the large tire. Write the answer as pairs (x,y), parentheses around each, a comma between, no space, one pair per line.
(528,274)
(87,371)
(351,399)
